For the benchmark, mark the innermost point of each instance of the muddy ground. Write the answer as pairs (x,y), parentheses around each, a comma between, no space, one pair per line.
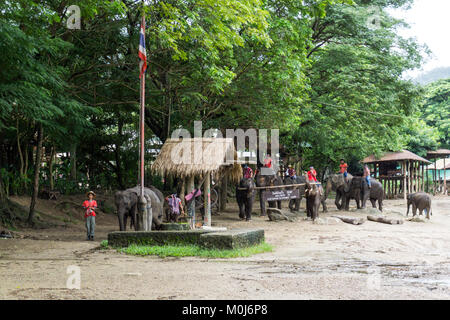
(309,261)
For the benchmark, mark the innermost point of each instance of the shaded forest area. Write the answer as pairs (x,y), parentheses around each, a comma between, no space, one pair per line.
(327,73)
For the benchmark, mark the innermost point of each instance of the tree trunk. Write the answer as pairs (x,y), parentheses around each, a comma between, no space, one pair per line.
(223,193)
(73,162)
(37,166)
(117,155)
(50,168)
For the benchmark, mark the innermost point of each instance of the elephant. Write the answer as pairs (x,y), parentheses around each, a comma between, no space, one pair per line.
(294,204)
(313,200)
(246,197)
(127,206)
(266,181)
(421,201)
(337,183)
(375,193)
(352,190)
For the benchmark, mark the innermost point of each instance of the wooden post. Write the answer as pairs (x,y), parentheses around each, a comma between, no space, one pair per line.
(444,189)
(404,179)
(435,177)
(191,209)
(445,180)
(423,177)
(207,199)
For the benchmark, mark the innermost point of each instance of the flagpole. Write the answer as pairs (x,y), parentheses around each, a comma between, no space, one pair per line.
(142,200)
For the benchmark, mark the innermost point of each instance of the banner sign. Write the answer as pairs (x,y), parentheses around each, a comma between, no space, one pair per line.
(281,194)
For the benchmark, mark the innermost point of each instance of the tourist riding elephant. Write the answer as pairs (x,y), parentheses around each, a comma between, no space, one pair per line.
(266,181)
(294,204)
(245,197)
(313,200)
(352,190)
(127,206)
(337,183)
(421,201)
(374,193)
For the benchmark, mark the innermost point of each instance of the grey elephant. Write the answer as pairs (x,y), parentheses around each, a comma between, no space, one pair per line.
(294,204)
(352,190)
(266,181)
(337,183)
(313,200)
(374,194)
(421,201)
(127,206)
(245,197)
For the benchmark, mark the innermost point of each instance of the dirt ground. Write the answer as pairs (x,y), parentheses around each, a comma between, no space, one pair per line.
(309,261)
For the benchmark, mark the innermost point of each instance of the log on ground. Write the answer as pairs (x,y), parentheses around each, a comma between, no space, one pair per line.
(384,219)
(351,220)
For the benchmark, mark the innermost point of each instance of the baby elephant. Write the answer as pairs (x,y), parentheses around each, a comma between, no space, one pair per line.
(421,201)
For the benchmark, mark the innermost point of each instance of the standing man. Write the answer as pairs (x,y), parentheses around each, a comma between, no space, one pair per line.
(343,168)
(367,174)
(90,206)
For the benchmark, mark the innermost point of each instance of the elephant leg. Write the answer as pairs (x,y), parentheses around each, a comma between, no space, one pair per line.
(248,209)
(374,203)
(380,205)
(125,218)
(279,204)
(121,227)
(132,223)
(262,204)
(291,205)
(241,208)
(414,209)
(297,204)
(337,200)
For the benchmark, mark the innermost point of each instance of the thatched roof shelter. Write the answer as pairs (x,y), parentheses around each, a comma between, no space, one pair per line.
(395,156)
(196,157)
(441,153)
(409,178)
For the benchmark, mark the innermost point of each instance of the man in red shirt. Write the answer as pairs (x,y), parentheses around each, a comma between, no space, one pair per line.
(343,168)
(90,206)
(268,161)
(312,174)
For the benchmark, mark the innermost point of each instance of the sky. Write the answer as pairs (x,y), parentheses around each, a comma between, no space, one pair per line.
(429,22)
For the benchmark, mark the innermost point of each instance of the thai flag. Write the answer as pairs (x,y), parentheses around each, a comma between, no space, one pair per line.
(142,53)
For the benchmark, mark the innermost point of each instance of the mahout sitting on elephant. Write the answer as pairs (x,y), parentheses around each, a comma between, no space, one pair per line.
(421,201)
(245,197)
(127,206)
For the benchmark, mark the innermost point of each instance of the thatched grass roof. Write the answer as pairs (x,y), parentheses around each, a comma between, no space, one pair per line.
(395,156)
(196,157)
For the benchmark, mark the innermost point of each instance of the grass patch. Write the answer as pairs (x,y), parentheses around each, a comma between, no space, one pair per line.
(104,244)
(195,251)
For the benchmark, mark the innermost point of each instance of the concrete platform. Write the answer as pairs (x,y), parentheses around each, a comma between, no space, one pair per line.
(229,239)
(232,239)
(175,226)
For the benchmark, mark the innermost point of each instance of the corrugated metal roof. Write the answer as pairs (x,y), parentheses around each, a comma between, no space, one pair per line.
(395,156)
